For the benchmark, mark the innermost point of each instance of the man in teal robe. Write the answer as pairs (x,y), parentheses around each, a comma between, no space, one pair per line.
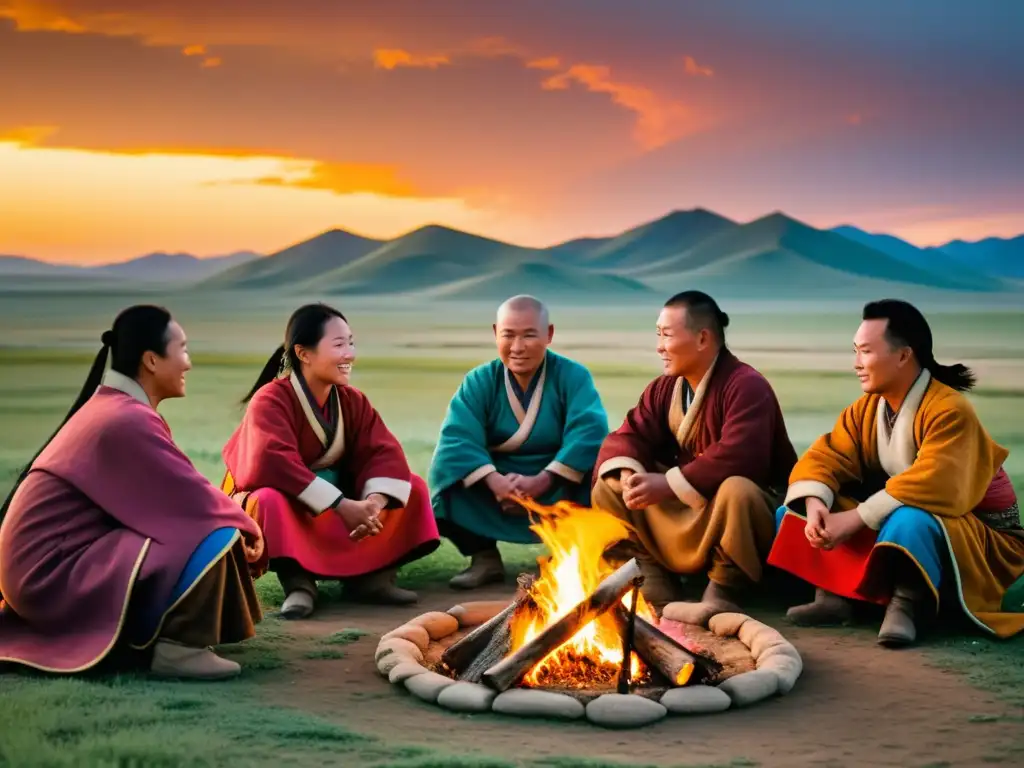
(528,423)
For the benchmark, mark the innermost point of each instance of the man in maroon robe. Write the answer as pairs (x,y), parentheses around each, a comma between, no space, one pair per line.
(699,464)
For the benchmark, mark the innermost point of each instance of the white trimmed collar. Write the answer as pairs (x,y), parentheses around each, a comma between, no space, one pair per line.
(125,384)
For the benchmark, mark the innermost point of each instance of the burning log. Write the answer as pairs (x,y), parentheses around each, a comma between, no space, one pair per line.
(513,667)
(628,637)
(663,653)
(487,644)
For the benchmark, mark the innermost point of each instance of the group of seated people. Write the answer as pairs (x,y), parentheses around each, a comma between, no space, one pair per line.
(111,540)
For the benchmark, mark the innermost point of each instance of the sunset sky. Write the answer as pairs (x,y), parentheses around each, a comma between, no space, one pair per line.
(209,126)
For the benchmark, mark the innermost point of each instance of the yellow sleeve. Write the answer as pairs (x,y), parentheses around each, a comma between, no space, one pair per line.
(833,460)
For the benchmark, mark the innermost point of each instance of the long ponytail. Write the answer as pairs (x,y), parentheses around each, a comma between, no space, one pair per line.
(271,370)
(92,381)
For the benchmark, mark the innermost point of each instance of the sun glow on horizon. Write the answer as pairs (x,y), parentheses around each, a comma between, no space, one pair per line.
(83,206)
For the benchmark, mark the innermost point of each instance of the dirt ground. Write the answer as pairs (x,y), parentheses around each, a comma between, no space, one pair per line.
(855,705)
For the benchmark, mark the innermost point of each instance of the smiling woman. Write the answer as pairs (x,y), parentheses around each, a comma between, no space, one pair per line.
(112,538)
(327,481)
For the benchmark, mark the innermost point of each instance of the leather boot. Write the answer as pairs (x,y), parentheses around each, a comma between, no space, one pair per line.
(824,610)
(174,660)
(898,627)
(485,568)
(297,605)
(379,588)
(716,599)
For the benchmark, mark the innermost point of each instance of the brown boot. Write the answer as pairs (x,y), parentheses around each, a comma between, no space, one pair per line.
(485,568)
(898,628)
(716,599)
(826,609)
(379,588)
(174,660)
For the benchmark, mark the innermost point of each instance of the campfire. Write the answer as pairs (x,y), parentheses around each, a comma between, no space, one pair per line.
(581,626)
(579,640)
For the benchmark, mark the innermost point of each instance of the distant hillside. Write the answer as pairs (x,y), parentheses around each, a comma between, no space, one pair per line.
(547,282)
(994,255)
(422,259)
(933,260)
(776,239)
(310,258)
(572,250)
(654,241)
(153,267)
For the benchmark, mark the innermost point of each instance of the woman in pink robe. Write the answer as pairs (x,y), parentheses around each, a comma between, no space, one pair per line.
(112,541)
(329,484)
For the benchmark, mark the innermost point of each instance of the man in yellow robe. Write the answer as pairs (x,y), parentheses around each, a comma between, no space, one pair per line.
(906,498)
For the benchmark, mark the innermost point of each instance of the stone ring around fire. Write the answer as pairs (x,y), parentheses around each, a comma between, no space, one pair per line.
(739,662)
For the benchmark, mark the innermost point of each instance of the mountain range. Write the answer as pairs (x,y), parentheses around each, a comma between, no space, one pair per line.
(773,256)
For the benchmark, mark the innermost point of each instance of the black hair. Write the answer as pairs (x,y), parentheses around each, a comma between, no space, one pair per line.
(305,329)
(137,330)
(701,312)
(906,327)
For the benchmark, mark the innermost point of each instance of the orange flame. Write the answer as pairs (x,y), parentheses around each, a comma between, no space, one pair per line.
(576,538)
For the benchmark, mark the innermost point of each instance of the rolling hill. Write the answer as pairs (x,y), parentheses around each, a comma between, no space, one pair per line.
(673,234)
(545,281)
(994,255)
(934,260)
(153,267)
(298,262)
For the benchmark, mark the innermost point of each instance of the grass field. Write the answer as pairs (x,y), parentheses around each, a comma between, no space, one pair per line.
(411,360)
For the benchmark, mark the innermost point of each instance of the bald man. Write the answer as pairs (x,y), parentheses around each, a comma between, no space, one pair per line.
(528,423)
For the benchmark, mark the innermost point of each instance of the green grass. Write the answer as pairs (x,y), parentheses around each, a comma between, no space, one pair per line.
(412,359)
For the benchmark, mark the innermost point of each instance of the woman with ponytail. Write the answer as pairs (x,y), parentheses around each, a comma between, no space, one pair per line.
(906,498)
(313,462)
(111,540)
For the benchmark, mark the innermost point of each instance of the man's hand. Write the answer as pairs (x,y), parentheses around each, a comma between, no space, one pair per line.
(379,501)
(640,491)
(840,526)
(360,517)
(815,529)
(531,486)
(252,546)
(500,485)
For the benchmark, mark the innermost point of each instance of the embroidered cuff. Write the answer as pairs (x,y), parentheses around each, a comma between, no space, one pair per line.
(802,489)
(478,474)
(876,508)
(685,492)
(320,495)
(399,490)
(565,471)
(617,463)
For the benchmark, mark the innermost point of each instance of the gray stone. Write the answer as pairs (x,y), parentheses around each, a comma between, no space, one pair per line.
(437,624)
(428,685)
(786,667)
(525,702)
(394,651)
(696,700)
(387,664)
(404,670)
(616,710)
(466,697)
(751,687)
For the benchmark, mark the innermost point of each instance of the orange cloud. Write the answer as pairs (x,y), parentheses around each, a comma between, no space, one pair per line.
(200,50)
(29,16)
(392,58)
(691,67)
(346,178)
(659,121)
(549,62)
(28,135)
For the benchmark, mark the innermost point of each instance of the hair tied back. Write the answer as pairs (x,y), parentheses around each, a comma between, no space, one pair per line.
(107,339)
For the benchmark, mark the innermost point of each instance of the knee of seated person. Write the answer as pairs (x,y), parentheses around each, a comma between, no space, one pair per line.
(270,496)
(419,485)
(908,518)
(606,492)
(739,488)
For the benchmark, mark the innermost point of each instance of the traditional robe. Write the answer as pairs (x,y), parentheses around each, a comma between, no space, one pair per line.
(291,460)
(933,488)
(112,513)
(730,429)
(556,425)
